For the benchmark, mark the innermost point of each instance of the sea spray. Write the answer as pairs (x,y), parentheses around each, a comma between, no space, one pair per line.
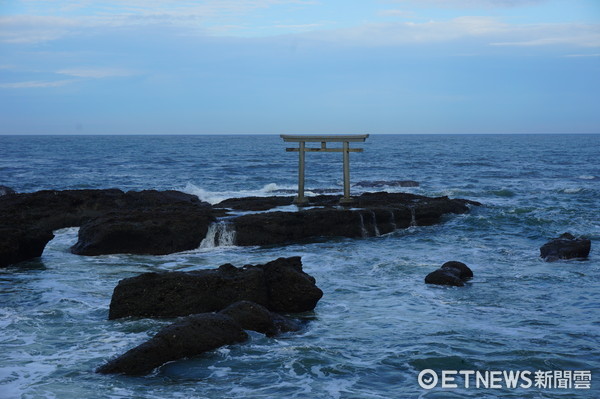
(375,228)
(363,231)
(393,220)
(219,234)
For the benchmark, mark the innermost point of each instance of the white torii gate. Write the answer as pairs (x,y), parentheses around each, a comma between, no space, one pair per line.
(346,150)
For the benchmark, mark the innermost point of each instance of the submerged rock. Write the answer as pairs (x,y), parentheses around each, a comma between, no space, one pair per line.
(280,285)
(451,273)
(566,246)
(188,337)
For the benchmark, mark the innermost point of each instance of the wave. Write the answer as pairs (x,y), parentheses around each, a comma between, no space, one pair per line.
(214,197)
(587,177)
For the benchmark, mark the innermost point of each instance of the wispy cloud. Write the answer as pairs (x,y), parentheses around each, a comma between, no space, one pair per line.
(24,29)
(582,55)
(580,35)
(46,22)
(96,73)
(36,84)
(487,30)
(472,3)
(396,13)
(299,26)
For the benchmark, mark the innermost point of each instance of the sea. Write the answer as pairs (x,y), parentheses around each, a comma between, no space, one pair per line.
(379,331)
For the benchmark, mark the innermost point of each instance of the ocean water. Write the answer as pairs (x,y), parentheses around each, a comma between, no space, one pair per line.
(378,325)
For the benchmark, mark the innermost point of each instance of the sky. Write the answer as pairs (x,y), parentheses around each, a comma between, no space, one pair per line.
(299,66)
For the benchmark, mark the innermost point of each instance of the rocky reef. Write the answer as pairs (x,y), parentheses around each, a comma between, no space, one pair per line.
(162,222)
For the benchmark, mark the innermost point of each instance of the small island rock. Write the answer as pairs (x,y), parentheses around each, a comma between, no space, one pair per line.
(451,273)
(566,246)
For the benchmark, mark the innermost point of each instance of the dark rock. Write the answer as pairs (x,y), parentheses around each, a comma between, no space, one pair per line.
(252,316)
(161,222)
(284,227)
(39,214)
(444,277)
(289,289)
(153,231)
(388,183)
(566,246)
(451,273)
(255,203)
(280,286)
(191,336)
(6,191)
(463,271)
(18,244)
(382,213)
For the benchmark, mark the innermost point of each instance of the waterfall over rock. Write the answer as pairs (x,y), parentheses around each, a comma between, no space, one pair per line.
(219,234)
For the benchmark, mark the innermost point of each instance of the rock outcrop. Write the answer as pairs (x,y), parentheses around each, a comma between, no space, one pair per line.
(566,246)
(280,286)
(451,273)
(188,337)
(254,317)
(199,333)
(153,232)
(162,222)
(4,190)
(28,220)
(372,214)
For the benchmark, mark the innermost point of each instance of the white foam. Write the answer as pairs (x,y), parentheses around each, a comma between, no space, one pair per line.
(214,197)
(587,177)
(219,234)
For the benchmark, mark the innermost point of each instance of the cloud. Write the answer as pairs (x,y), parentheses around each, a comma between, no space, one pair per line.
(582,55)
(580,35)
(472,3)
(398,33)
(46,21)
(488,30)
(96,73)
(299,26)
(36,84)
(26,29)
(396,13)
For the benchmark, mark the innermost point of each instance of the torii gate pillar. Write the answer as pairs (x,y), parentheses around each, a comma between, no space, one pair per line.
(302,149)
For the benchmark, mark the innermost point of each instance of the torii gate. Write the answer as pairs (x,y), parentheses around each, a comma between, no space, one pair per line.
(346,140)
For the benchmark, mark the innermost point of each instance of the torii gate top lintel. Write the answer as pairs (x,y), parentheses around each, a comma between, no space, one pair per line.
(331,138)
(302,149)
